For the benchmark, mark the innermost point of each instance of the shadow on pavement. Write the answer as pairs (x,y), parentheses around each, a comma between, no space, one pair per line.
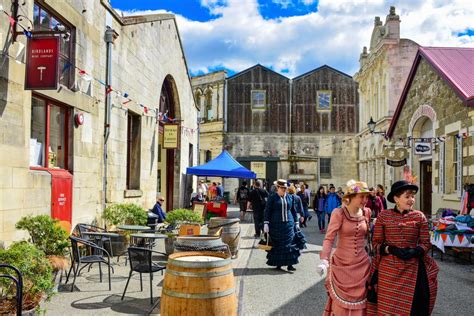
(129,305)
(259,271)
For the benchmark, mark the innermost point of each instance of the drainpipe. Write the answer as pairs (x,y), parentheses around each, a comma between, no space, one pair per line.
(109,39)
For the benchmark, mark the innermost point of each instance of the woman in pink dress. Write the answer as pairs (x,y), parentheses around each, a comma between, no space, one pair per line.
(348,266)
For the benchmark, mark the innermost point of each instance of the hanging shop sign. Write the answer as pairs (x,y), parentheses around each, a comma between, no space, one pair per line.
(42,63)
(395,154)
(259,167)
(396,163)
(171,136)
(422,148)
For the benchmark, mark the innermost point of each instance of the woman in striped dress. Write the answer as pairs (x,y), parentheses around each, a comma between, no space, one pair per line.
(407,275)
(348,266)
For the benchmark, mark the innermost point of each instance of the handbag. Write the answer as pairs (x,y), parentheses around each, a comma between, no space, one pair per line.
(264,243)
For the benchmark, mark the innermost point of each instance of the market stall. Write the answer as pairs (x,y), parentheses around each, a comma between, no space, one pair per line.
(454,231)
(224,166)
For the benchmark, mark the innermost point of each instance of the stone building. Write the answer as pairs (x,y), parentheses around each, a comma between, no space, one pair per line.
(96,139)
(382,74)
(301,129)
(209,92)
(434,119)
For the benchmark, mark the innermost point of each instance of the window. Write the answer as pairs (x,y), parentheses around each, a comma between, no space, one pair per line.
(133,151)
(208,156)
(324,100)
(457,163)
(258,99)
(197,96)
(44,21)
(50,137)
(209,111)
(325,167)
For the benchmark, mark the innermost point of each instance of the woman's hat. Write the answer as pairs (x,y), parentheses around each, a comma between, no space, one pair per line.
(400,186)
(281,183)
(355,187)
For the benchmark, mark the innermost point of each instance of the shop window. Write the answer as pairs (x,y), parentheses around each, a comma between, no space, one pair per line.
(324,100)
(325,167)
(258,99)
(133,151)
(44,23)
(50,137)
(453,171)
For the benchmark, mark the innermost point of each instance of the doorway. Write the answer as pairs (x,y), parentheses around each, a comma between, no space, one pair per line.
(426,187)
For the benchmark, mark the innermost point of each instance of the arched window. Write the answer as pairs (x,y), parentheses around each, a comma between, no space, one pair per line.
(209,112)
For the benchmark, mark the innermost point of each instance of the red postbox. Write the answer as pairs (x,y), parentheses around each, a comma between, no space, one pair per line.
(61,194)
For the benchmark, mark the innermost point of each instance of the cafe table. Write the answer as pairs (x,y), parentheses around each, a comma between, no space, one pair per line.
(150,237)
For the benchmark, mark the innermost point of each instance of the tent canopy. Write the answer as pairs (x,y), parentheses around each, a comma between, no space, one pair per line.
(224,166)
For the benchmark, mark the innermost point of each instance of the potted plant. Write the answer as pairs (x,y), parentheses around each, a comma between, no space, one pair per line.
(36,271)
(46,234)
(187,221)
(123,214)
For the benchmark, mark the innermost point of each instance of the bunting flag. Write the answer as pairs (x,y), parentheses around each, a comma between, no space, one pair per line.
(452,237)
(444,237)
(108,90)
(460,238)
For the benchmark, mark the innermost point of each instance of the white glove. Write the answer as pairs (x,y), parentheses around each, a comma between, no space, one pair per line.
(323,267)
(266,228)
(297,225)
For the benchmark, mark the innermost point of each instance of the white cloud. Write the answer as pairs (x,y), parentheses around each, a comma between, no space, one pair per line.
(239,37)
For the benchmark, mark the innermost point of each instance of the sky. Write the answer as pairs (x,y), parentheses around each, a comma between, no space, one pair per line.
(296,36)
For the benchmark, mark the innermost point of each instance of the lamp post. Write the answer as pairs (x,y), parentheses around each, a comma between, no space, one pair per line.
(371,125)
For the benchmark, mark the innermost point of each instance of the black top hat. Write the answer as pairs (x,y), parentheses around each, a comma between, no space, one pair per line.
(400,186)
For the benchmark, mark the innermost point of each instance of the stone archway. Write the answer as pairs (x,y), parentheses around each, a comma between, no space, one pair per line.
(169,159)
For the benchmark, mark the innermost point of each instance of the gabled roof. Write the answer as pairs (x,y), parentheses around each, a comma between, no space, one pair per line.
(255,66)
(321,68)
(454,64)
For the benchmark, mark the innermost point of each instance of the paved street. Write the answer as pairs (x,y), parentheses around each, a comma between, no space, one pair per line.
(268,292)
(261,290)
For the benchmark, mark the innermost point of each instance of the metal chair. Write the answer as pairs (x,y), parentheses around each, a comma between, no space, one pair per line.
(78,259)
(140,261)
(19,285)
(81,228)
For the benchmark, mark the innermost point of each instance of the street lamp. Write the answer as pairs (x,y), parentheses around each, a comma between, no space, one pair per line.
(371,125)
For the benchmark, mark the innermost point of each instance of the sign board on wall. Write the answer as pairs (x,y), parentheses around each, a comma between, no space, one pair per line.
(170,136)
(422,148)
(259,167)
(396,163)
(42,63)
(393,153)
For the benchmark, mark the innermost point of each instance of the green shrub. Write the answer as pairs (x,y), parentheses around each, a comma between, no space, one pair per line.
(46,234)
(182,215)
(125,214)
(36,272)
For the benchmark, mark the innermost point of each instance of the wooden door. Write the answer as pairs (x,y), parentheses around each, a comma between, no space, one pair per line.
(426,187)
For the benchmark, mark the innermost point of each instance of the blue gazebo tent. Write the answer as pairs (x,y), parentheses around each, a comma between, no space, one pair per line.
(224,166)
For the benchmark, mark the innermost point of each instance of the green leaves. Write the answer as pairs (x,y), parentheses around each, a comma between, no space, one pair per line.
(125,214)
(46,234)
(182,215)
(35,269)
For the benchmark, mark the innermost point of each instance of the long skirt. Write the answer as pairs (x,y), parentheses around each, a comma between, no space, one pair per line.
(300,239)
(284,251)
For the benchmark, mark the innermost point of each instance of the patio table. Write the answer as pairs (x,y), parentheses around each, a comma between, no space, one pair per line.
(149,236)
(133,227)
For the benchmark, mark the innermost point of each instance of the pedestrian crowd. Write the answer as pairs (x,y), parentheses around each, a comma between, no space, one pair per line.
(380,264)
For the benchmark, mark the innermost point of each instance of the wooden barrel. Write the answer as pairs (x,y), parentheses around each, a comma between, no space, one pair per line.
(230,231)
(201,243)
(198,283)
